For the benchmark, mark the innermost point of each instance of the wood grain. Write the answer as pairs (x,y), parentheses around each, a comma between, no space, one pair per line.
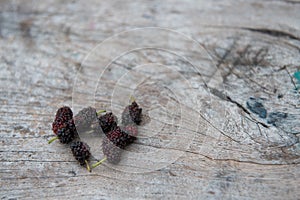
(203,136)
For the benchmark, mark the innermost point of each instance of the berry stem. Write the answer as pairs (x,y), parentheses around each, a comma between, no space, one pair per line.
(100,111)
(52,139)
(99,163)
(87,166)
(131,99)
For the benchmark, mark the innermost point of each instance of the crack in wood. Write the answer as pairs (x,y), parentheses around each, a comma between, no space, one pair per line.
(242,161)
(272,32)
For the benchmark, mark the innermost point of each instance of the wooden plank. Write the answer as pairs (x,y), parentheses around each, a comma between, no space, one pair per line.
(228,129)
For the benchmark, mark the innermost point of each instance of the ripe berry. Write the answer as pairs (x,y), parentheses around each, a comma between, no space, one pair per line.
(63,115)
(87,120)
(65,133)
(132,114)
(68,133)
(81,152)
(65,111)
(111,151)
(112,145)
(108,122)
(63,126)
(58,123)
(120,138)
(85,117)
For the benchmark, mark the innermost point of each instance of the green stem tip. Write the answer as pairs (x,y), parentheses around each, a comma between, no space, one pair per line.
(87,166)
(52,140)
(100,111)
(99,163)
(131,99)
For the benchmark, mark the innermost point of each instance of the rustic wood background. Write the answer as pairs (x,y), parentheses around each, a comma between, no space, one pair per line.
(240,136)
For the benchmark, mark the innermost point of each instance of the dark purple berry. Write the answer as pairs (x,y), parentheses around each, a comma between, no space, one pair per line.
(120,138)
(58,123)
(63,116)
(67,133)
(108,122)
(111,151)
(87,120)
(113,143)
(85,117)
(81,152)
(132,114)
(65,111)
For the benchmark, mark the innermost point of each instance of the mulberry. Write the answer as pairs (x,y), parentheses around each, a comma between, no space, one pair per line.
(63,126)
(65,111)
(132,114)
(120,138)
(86,120)
(81,152)
(108,122)
(66,133)
(58,123)
(85,117)
(63,115)
(113,144)
(111,151)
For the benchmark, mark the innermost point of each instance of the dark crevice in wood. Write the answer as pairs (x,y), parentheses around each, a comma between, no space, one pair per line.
(292,2)
(291,77)
(272,32)
(229,99)
(221,159)
(241,161)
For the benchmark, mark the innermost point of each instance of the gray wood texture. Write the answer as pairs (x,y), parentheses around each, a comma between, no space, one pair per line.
(228,129)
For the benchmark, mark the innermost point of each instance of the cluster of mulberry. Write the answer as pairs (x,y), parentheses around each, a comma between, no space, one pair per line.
(116,139)
(64,128)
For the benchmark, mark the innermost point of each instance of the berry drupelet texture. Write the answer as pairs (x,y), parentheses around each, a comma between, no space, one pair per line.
(62,117)
(115,141)
(81,152)
(85,117)
(65,112)
(108,122)
(67,133)
(132,114)
(120,138)
(63,126)
(87,120)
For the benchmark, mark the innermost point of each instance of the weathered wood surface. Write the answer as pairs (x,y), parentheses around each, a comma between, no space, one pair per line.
(224,147)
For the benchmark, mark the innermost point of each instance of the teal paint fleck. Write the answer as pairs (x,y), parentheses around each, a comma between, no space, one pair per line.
(297,76)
